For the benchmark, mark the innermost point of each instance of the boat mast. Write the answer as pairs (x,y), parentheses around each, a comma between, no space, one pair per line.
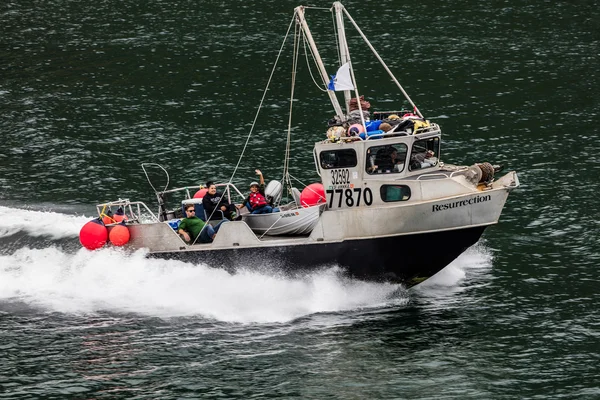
(343,46)
(334,101)
(345,55)
(286,160)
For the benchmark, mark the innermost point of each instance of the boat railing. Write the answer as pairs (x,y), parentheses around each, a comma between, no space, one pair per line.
(460,171)
(432,129)
(386,114)
(437,175)
(185,189)
(392,133)
(188,195)
(170,208)
(136,211)
(442,174)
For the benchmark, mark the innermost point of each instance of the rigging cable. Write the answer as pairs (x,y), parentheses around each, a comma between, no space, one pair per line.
(258,111)
(286,157)
(360,32)
(308,64)
(262,100)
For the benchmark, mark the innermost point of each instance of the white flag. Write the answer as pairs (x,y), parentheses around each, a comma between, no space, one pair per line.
(341,80)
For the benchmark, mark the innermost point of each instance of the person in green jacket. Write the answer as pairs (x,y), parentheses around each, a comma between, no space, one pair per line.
(191,227)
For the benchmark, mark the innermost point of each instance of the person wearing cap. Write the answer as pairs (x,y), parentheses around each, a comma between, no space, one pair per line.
(256,201)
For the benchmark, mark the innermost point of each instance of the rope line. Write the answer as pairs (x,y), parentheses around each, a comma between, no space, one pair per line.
(262,99)
(259,109)
(308,65)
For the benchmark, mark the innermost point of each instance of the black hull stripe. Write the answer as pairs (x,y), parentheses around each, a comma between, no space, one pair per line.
(407,259)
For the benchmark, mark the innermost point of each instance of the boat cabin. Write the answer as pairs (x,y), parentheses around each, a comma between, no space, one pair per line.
(366,169)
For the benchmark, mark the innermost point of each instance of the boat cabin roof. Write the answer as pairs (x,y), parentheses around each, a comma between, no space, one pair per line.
(383,155)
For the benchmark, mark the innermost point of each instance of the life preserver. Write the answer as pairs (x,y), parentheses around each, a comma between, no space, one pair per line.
(257,200)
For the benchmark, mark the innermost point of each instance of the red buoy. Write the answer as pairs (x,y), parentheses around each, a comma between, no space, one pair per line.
(312,195)
(200,193)
(119,235)
(93,234)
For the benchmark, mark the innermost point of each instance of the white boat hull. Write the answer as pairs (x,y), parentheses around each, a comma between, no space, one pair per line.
(290,222)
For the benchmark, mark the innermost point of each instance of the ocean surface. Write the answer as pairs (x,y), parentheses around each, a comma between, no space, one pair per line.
(91,90)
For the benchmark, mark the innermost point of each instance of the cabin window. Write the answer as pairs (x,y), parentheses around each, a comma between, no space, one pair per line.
(394,193)
(345,158)
(388,159)
(425,153)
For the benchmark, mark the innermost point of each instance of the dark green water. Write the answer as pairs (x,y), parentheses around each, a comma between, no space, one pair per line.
(90,91)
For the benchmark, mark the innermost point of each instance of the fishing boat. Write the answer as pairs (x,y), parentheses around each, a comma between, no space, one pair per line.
(388,207)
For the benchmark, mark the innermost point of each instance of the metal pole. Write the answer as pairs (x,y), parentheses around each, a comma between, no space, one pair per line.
(345,50)
(343,46)
(320,65)
(382,62)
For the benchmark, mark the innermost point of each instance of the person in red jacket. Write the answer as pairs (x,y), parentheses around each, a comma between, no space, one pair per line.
(256,201)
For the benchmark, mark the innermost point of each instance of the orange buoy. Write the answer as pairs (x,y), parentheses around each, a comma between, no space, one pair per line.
(119,218)
(119,235)
(93,234)
(107,218)
(119,215)
(312,195)
(200,193)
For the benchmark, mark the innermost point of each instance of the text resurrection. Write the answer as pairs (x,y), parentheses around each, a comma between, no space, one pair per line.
(461,203)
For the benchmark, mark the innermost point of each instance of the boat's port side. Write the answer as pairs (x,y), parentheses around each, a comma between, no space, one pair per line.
(161,236)
(407,259)
(235,234)
(155,236)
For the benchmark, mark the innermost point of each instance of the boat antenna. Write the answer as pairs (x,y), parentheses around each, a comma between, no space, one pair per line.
(338,4)
(148,178)
(159,195)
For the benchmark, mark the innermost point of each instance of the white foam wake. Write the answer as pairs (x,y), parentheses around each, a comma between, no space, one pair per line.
(109,279)
(468,267)
(39,223)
